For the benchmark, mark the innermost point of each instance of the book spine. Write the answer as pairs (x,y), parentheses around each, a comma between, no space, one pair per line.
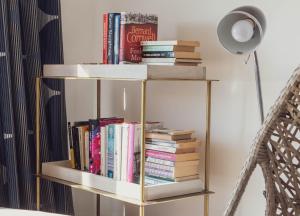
(105,37)
(87,148)
(158,48)
(95,147)
(161,148)
(130,161)
(122,39)
(160,161)
(110,39)
(125,130)
(118,152)
(134,29)
(103,151)
(110,150)
(160,167)
(71,146)
(81,147)
(160,155)
(76,147)
(154,181)
(117,19)
(159,173)
(137,150)
(158,55)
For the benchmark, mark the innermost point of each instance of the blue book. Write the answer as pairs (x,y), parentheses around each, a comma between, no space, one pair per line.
(110,39)
(110,150)
(117,20)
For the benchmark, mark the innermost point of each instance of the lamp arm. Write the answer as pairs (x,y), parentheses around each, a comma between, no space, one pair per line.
(258,88)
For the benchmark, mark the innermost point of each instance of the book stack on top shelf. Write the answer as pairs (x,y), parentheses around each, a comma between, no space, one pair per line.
(122,34)
(171,155)
(177,52)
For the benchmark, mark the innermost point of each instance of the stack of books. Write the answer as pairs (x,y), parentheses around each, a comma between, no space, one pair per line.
(177,52)
(108,146)
(171,155)
(122,34)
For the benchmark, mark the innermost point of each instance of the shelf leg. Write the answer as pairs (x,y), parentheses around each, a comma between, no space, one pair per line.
(98,205)
(38,140)
(142,163)
(142,210)
(207,148)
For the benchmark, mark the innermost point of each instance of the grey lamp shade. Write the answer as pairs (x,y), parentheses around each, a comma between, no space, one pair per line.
(242,13)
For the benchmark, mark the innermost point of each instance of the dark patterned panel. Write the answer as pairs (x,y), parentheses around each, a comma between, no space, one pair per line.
(30,36)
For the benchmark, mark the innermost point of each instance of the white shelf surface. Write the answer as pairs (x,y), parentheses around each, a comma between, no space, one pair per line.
(61,172)
(137,72)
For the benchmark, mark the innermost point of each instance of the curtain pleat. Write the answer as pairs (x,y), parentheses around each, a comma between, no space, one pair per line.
(30,36)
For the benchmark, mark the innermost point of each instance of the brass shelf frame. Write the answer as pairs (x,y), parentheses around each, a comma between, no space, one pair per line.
(141,203)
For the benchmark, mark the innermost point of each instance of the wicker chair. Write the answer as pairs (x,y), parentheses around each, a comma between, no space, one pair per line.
(276,149)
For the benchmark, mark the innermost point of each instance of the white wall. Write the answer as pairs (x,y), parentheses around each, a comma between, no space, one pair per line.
(235,119)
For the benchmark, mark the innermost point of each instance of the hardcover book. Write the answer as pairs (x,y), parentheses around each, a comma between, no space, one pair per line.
(94,141)
(105,38)
(135,27)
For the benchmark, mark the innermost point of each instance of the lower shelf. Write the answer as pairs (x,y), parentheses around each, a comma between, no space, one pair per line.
(61,172)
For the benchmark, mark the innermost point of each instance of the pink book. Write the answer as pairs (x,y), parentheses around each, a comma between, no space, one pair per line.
(130,156)
(161,155)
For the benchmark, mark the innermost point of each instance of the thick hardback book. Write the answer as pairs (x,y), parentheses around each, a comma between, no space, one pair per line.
(171,43)
(71,146)
(103,141)
(76,147)
(105,37)
(94,141)
(170,149)
(117,20)
(166,172)
(190,143)
(155,181)
(110,39)
(168,48)
(160,54)
(172,157)
(130,155)
(176,165)
(162,136)
(87,149)
(135,27)
(118,152)
(170,60)
(110,150)
(172,163)
(125,141)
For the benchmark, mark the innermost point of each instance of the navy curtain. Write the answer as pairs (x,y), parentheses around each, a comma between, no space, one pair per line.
(30,36)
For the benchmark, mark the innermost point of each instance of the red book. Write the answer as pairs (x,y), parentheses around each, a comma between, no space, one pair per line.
(105,33)
(135,27)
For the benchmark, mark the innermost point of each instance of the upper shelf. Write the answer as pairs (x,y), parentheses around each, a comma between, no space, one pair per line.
(136,72)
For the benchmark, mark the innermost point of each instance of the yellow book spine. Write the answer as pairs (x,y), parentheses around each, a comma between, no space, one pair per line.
(72,157)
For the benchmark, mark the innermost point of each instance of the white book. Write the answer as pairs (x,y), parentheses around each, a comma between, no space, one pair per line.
(171,42)
(125,131)
(118,152)
(103,151)
(87,149)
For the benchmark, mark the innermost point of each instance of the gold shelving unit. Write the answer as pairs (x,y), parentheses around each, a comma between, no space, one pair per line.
(138,73)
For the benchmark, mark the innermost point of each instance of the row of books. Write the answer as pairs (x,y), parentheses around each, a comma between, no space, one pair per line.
(122,34)
(111,147)
(108,146)
(171,155)
(176,52)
